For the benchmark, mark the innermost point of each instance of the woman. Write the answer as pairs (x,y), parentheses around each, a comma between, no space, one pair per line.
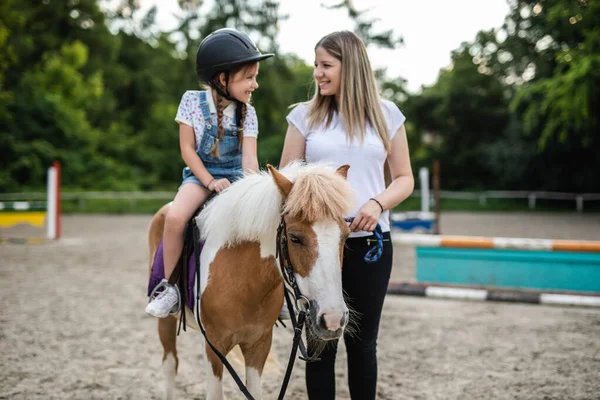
(346,122)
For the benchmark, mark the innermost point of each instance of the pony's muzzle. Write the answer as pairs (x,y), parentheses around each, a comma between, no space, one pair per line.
(333,321)
(327,323)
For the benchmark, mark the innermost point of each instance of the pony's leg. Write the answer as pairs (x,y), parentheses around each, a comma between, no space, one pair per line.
(214,373)
(255,356)
(167,332)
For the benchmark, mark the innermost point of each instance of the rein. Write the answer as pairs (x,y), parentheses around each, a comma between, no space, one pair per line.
(226,363)
(302,302)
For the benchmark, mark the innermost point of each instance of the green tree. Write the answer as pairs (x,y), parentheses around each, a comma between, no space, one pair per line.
(457,117)
(537,87)
(551,53)
(49,120)
(56,53)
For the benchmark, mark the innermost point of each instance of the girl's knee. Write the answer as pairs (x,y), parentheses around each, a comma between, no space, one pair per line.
(176,219)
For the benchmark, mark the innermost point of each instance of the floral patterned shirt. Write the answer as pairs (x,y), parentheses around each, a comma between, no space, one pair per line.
(190,113)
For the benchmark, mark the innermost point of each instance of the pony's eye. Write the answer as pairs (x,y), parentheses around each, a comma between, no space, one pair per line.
(295,239)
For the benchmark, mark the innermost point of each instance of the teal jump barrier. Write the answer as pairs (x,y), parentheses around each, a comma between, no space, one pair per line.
(546,270)
(516,263)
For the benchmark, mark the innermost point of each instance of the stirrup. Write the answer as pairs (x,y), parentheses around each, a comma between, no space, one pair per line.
(162,285)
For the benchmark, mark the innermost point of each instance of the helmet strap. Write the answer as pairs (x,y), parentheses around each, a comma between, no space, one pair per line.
(224,93)
(238,115)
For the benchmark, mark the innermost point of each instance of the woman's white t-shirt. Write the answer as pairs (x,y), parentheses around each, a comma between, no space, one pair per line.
(366,160)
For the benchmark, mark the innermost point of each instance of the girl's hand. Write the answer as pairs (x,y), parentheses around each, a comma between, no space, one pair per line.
(218,185)
(367,217)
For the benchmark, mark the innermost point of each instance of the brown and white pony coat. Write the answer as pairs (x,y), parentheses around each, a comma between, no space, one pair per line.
(240,280)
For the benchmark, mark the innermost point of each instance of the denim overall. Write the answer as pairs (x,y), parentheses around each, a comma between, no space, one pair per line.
(229,163)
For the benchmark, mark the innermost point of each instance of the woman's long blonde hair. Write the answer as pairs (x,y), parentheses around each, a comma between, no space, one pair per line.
(359,98)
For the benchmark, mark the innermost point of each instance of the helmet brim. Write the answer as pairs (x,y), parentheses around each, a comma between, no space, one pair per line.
(231,65)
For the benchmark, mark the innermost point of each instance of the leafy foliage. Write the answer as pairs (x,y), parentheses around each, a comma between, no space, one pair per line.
(98,90)
(518,108)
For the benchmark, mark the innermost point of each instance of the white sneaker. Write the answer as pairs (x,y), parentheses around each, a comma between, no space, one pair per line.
(165,304)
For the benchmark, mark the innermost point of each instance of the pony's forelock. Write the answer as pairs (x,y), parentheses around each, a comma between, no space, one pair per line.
(319,194)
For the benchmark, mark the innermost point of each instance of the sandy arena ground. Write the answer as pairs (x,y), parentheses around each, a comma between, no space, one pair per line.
(72,325)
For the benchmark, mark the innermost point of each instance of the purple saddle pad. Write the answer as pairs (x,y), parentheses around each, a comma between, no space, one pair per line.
(158,273)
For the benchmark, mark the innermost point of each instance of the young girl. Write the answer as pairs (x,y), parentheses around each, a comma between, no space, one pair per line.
(217,138)
(346,122)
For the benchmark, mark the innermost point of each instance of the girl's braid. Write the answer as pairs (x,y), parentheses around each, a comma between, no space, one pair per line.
(241,124)
(220,129)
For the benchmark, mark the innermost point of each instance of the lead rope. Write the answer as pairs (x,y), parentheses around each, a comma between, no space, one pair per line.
(375,252)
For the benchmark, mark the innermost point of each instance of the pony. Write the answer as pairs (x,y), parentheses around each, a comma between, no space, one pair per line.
(241,285)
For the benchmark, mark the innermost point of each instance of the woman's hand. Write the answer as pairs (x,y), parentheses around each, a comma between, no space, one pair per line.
(367,217)
(218,185)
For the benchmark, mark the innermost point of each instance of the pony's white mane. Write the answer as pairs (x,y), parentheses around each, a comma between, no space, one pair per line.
(250,208)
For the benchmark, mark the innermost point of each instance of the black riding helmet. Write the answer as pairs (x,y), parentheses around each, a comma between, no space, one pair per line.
(222,50)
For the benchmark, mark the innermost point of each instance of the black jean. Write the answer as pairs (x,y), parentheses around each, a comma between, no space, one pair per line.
(365,287)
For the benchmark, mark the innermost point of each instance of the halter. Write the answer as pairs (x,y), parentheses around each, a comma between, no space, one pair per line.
(302,302)
(285,264)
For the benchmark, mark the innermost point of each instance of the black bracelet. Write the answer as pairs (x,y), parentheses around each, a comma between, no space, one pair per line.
(207,186)
(376,201)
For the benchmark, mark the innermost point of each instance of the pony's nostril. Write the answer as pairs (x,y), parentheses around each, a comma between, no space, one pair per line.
(322,322)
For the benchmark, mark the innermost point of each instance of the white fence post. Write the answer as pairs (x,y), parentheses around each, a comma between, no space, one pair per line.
(579,202)
(482,200)
(424,178)
(532,201)
(51,204)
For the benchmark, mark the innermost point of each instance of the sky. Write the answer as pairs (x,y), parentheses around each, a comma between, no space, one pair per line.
(431,30)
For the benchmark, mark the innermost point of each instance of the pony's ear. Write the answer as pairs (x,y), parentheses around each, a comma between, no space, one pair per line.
(343,170)
(283,184)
